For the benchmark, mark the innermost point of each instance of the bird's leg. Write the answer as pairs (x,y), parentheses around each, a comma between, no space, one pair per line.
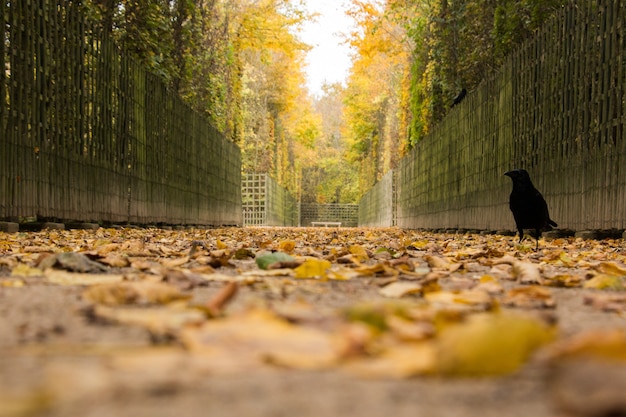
(521,234)
(537,236)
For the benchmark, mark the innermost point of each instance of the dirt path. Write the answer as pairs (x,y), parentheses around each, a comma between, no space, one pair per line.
(63,352)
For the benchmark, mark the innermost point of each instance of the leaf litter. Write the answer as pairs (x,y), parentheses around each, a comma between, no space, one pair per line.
(370,302)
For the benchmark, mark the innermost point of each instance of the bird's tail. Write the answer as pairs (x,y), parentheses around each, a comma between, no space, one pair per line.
(552,223)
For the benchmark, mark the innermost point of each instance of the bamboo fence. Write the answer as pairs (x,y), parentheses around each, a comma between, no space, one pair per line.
(87,134)
(556,108)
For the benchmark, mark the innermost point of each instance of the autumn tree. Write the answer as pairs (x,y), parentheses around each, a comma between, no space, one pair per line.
(276,109)
(376,98)
(412,57)
(327,178)
(458,42)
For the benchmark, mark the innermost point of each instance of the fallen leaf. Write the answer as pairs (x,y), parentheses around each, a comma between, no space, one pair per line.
(471,300)
(243,253)
(599,343)
(158,320)
(115,261)
(533,296)
(264,261)
(605,282)
(527,273)
(606,302)
(24,270)
(587,373)
(611,268)
(133,293)
(438,262)
(72,261)
(259,336)
(359,253)
(587,388)
(490,344)
(176,262)
(313,268)
(564,280)
(400,289)
(407,329)
(218,301)
(287,246)
(62,277)
(397,361)
(12,283)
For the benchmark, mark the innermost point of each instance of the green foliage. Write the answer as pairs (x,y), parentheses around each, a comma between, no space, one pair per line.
(457,43)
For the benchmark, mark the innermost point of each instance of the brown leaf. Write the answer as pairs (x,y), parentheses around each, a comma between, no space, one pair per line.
(258,337)
(115,261)
(529,297)
(439,262)
(400,289)
(527,273)
(61,277)
(606,302)
(133,293)
(398,361)
(158,320)
(219,300)
(611,268)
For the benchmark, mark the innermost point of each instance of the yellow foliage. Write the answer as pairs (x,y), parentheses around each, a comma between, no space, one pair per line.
(490,344)
(313,268)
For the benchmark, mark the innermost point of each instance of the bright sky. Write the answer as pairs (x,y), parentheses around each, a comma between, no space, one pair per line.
(329,60)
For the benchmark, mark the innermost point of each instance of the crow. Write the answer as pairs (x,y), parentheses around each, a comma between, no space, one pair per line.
(529,208)
(459,98)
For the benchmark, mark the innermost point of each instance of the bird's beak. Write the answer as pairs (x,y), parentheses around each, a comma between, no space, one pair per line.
(508,173)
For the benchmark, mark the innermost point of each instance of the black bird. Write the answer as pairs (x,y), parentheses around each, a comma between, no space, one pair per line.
(459,98)
(529,208)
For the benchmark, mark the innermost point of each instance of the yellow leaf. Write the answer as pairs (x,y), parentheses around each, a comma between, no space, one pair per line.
(376,314)
(359,252)
(605,282)
(221,245)
(368,270)
(287,246)
(14,283)
(490,344)
(489,284)
(565,259)
(419,244)
(487,279)
(23,270)
(565,280)
(611,268)
(313,268)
